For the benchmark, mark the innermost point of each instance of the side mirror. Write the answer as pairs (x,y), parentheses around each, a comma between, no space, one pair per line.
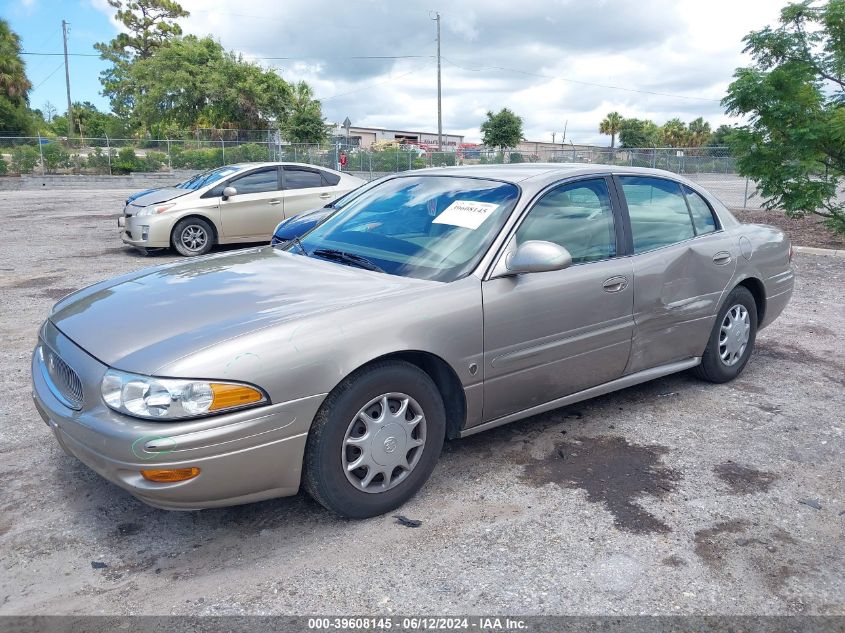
(536,256)
(228,192)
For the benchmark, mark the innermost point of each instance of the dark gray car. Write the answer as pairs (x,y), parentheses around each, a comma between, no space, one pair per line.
(436,304)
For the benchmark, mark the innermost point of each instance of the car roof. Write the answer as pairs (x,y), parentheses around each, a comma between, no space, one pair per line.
(521,172)
(277,163)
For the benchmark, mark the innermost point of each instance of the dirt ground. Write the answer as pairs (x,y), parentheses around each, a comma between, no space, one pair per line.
(807,231)
(672,497)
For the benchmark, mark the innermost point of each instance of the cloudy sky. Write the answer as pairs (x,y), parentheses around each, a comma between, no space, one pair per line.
(556,63)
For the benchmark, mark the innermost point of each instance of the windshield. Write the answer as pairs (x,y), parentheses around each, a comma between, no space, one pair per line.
(207,177)
(428,227)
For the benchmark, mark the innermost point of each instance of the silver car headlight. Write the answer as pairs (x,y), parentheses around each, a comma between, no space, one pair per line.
(175,399)
(155,209)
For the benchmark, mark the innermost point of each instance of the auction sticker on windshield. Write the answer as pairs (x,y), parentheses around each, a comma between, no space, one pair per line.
(466,213)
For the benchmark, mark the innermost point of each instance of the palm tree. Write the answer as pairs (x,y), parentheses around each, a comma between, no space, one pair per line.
(13,82)
(611,125)
(674,133)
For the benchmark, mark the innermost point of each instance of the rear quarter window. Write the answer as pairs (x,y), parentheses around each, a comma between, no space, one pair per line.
(329,179)
(702,214)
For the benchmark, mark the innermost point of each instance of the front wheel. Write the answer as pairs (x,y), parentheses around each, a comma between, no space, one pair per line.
(192,236)
(732,338)
(375,440)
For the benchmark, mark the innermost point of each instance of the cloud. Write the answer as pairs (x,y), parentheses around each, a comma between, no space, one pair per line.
(496,53)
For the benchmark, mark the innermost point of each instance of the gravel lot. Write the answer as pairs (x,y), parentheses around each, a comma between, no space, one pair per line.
(671,497)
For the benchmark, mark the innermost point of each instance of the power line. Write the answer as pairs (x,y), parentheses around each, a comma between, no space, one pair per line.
(41,83)
(579,82)
(362,57)
(374,85)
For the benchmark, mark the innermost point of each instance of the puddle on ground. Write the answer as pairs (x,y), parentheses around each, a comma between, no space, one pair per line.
(612,472)
(57,293)
(712,544)
(35,282)
(744,480)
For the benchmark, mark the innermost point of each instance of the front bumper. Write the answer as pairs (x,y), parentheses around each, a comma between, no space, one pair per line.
(145,231)
(243,456)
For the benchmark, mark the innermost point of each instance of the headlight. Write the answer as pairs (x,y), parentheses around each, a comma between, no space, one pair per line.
(174,399)
(155,209)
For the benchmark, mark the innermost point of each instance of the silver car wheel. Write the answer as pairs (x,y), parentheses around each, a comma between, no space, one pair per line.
(384,442)
(734,334)
(193,237)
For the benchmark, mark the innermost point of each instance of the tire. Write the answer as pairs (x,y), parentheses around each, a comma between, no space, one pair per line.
(713,368)
(194,231)
(333,440)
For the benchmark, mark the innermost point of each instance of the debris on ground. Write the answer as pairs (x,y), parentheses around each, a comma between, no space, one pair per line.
(401,519)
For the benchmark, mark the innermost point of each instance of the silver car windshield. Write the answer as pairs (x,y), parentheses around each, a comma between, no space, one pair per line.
(206,178)
(428,227)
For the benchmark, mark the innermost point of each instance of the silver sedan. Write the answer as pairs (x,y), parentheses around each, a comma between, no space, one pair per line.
(434,305)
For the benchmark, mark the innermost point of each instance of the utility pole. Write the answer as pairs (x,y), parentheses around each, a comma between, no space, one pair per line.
(439,105)
(67,83)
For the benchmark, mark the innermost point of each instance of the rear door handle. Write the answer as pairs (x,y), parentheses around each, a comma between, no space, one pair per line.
(721,258)
(275,202)
(615,284)
(325,195)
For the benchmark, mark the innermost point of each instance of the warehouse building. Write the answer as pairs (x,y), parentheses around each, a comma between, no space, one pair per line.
(365,137)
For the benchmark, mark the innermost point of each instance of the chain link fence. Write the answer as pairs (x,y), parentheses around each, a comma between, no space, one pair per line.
(712,167)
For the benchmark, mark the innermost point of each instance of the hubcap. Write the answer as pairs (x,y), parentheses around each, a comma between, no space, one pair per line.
(384,442)
(733,335)
(193,237)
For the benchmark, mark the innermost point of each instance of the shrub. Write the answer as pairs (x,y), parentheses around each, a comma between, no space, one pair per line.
(126,162)
(247,153)
(154,161)
(24,159)
(55,157)
(99,161)
(3,169)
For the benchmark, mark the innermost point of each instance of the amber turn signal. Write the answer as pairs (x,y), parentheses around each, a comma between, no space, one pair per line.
(229,396)
(170,475)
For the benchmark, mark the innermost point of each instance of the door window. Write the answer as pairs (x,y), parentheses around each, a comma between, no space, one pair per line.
(658,212)
(702,214)
(577,216)
(260,181)
(297,178)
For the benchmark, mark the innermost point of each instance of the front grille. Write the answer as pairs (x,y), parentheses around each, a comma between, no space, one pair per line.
(63,379)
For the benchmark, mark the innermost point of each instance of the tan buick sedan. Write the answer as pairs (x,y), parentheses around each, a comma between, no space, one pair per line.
(230,204)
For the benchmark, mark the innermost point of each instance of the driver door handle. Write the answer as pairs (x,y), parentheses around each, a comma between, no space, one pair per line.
(325,195)
(615,284)
(275,201)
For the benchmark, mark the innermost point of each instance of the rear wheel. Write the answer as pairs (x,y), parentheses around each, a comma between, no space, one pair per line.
(375,440)
(732,338)
(192,236)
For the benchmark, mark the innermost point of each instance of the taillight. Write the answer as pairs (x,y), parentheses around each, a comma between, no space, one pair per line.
(791,253)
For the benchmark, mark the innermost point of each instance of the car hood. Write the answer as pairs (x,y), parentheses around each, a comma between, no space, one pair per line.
(299,225)
(147,319)
(158,195)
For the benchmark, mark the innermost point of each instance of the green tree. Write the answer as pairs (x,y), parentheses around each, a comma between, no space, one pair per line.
(611,126)
(721,136)
(501,130)
(793,96)
(150,25)
(193,82)
(639,133)
(14,84)
(305,122)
